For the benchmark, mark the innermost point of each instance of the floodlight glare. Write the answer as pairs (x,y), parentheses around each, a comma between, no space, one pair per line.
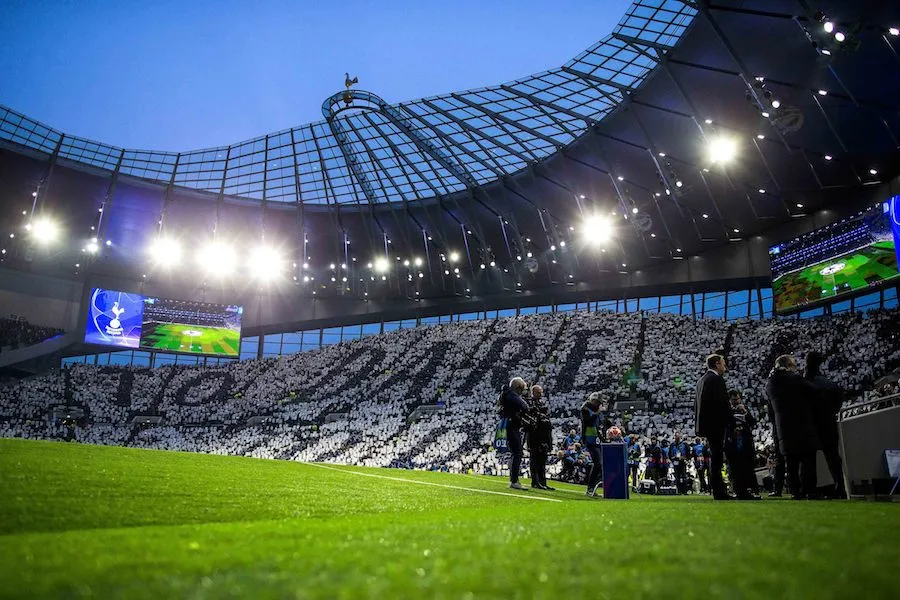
(265,263)
(454,257)
(722,149)
(382,264)
(418,262)
(44,230)
(828,26)
(894,31)
(840,37)
(165,252)
(92,247)
(597,230)
(216,258)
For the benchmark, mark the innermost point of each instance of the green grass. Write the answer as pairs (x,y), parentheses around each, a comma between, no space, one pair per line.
(220,341)
(85,521)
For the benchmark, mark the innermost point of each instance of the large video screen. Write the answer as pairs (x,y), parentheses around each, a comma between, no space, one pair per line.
(114,318)
(135,321)
(857,253)
(191,327)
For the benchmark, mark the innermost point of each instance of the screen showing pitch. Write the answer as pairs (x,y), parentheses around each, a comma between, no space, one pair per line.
(114,318)
(857,253)
(191,327)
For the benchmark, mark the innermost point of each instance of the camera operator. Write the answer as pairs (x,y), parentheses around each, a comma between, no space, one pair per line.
(679,452)
(539,437)
(592,427)
(512,408)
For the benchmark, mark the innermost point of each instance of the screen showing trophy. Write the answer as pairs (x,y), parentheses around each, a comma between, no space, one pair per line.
(114,318)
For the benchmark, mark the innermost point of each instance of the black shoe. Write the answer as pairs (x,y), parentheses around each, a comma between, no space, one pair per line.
(749,497)
(775,495)
(549,489)
(724,497)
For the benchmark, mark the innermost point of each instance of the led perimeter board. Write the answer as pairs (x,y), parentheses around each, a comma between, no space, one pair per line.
(855,254)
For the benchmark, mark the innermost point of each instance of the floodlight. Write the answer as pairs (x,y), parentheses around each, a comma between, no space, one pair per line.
(216,258)
(894,31)
(454,256)
(418,262)
(165,252)
(597,230)
(828,26)
(265,263)
(722,149)
(776,103)
(92,246)
(839,36)
(382,264)
(44,230)
(634,210)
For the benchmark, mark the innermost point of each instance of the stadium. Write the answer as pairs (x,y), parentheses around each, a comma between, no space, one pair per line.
(288,366)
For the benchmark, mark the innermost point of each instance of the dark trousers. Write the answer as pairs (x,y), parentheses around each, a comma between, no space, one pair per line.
(538,467)
(703,479)
(743,475)
(514,439)
(829,438)
(778,479)
(568,470)
(801,473)
(680,469)
(633,469)
(596,466)
(716,462)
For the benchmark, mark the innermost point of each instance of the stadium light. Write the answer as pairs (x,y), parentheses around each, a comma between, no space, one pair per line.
(418,262)
(165,252)
(597,230)
(382,264)
(265,263)
(894,31)
(454,257)
(828,26)
(43,230)
(217,259)
(722,149)
(92,246)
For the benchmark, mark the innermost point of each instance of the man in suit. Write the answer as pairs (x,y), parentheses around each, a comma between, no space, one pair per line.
(792,397)
(539,438)
(825,410)
(512,407)
(712,411)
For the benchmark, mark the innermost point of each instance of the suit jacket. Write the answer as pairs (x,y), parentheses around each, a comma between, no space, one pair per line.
(792,398)
(712,409)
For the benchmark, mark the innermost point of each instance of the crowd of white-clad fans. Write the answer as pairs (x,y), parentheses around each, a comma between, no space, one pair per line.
(426,397)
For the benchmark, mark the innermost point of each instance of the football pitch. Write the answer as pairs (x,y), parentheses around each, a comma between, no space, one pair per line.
(197,339)
(854,271)
(80,521)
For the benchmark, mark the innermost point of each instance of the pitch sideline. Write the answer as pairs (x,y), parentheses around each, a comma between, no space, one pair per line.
(443,485)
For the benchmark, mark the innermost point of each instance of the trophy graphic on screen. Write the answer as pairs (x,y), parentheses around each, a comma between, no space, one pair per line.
(115,326)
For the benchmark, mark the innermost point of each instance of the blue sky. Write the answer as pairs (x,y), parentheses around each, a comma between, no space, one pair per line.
(183,75)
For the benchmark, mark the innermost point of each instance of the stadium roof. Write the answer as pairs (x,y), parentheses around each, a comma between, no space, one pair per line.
(633,129)
(408,151)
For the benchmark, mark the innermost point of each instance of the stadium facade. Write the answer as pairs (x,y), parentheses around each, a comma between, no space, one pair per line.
(478,203)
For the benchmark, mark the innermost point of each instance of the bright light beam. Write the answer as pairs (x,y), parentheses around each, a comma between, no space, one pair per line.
(722,149)
(216,258)
(165,252)
(597,230)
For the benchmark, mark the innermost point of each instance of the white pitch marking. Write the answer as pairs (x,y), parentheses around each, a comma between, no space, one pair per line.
(443,485)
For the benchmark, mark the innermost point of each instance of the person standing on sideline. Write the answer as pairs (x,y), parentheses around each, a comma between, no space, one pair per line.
(791,397)
(512,407)
(712,412)
(701,458)
(634,460)
(539,438)
(825,410)
(591,428)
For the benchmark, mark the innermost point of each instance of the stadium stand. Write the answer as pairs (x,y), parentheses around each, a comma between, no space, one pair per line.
(18,333)
(371,401)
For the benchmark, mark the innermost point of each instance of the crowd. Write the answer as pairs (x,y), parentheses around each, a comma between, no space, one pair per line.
(18,333)
(362,401)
